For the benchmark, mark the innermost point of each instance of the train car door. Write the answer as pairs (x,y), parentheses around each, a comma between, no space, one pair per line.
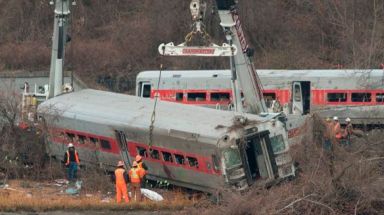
(144,89)
(258,154)
(301,97)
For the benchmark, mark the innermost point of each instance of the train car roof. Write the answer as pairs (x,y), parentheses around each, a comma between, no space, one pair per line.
(110,108)
(322,73)
(184,73)
(264,72)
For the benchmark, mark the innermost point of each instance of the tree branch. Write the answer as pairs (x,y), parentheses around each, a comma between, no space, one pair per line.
(294,202)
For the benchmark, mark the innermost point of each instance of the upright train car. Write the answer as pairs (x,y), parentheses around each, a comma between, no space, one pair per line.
(194,147)
(297,91)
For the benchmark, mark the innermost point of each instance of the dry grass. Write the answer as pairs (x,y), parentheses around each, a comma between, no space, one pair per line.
(41,197)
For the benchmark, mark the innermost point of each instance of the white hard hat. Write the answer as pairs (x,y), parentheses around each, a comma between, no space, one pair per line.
(120,163)
(348,119)
(335,118)
(70,145)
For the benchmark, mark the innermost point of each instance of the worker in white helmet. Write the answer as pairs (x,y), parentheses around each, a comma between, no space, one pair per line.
(337,129)
(348,131)
(72,162)
(121,181)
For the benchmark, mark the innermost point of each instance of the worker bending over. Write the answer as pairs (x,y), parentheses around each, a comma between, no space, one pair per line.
(72,162)
(121,181)
(136,175)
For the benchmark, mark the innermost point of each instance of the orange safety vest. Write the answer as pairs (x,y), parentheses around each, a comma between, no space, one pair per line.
(119,174)
(140,165)
(76,158)
(135,174)
(337,131)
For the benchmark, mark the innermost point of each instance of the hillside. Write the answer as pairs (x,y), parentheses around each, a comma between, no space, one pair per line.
(113,40)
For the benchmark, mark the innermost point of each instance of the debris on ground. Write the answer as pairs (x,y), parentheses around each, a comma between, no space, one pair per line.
(61,182)
(106,200)
(74,190)
(3,186)
(152,195)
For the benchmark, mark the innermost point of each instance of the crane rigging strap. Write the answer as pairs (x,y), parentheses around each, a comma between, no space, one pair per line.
(153,117)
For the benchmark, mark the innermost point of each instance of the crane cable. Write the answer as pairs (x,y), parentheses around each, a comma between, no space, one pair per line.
(153,117)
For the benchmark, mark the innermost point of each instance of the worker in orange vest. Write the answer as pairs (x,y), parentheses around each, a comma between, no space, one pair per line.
(136,175)
(121,181)
(337,128)
(141,164)
(72,162)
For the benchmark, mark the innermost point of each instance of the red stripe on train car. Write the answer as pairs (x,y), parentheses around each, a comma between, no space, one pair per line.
(132,150)
(318,96)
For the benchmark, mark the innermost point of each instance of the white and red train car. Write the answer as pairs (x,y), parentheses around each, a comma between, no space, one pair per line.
(195,147)
(297,91)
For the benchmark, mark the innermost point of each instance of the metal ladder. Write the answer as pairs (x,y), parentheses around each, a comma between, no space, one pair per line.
(123,149)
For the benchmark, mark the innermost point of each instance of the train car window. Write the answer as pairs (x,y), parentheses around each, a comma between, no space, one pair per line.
(94,140)
(220,96)
(216,163)
(193,162)
(268,98)
(277,143)
(197,96)
(271,96)
(142,151)
(336,97)
(297,93)
(146,90)
(167,156)
(179,159)
(179,96)
(82,139)
(232,158)
(379,97)
(361,97)
(105,144)
(70,136)
(155,154)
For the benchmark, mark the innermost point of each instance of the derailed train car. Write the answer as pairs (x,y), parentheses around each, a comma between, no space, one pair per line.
(193,147)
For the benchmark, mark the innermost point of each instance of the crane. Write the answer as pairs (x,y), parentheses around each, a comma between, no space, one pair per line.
(59,39)
(188,48)
(56,85)
(244,75)
(241,64)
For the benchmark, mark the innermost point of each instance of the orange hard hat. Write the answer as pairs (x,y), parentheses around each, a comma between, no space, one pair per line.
(120,163)
(138,158)
(134,163)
